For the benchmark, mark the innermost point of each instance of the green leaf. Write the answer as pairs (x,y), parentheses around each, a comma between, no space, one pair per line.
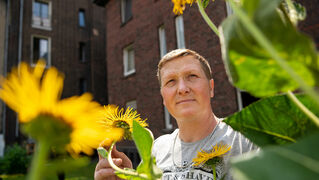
(144,142)
(274,120)
(102,152)
(293,162)
(53,132)
(147,169)
(250,67)
(205,3)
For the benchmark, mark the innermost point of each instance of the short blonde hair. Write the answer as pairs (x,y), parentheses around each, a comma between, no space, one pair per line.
(184,52)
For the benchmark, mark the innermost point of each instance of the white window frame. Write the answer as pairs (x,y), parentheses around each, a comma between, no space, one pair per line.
(49,49)
(239,99)
(42,21)
(229,9)
(162,41)
(132,104)
(238,91)
(180,36)
(2,145)
(168,119)
(126,59)
(163,51)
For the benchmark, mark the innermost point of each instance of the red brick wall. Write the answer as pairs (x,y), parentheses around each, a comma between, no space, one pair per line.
(311,24)
(65,37)
(142,31)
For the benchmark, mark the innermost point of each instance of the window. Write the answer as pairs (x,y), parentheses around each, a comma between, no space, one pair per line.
(163,51)
(81,18)
(41,17)
(131,104)
(180,32)
(126,10)
(128,57)
(162,41)
(244,99)
(83,85)
(40,50)
(82,52)
(229,9)
(167,118)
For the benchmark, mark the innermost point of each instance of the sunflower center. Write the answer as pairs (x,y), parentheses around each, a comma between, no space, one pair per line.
(121,124)
(124,125)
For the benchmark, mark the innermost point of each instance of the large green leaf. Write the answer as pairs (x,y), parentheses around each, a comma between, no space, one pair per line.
(274,120)
(147,169)
(250,67)
(293,162)
(143,139)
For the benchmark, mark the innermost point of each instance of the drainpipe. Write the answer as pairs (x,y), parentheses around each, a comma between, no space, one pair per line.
(5,62)
(19,52)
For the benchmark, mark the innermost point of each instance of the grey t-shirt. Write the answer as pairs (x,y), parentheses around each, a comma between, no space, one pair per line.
(174,157)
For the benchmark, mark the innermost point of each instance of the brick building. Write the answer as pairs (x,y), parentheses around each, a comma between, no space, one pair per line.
(69,35)
(139,32)
(310,25)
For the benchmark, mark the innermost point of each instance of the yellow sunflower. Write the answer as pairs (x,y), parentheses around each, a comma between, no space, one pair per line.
(34,92)
(115,118)
(179,5)
(217,151)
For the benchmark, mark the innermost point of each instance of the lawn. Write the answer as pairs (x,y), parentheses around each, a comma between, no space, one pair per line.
(84,173)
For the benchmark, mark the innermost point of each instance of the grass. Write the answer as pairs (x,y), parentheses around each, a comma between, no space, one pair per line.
(84,173)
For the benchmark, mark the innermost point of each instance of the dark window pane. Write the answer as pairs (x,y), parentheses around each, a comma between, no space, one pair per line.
(36,52)
(128,9)
(247,98)
(82,51)
(83,86)
(40,49)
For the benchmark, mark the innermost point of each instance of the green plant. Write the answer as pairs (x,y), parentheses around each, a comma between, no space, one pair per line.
(265,55)
(15,160)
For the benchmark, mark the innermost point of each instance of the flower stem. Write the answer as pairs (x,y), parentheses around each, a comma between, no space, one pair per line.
(39,160)
(214,171)
(265,43)
(206,18)
(122,171)
(303,108)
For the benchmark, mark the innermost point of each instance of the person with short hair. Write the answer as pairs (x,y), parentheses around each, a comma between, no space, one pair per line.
(187,86)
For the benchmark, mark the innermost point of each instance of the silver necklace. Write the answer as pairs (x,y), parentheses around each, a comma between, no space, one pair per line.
(185,163)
